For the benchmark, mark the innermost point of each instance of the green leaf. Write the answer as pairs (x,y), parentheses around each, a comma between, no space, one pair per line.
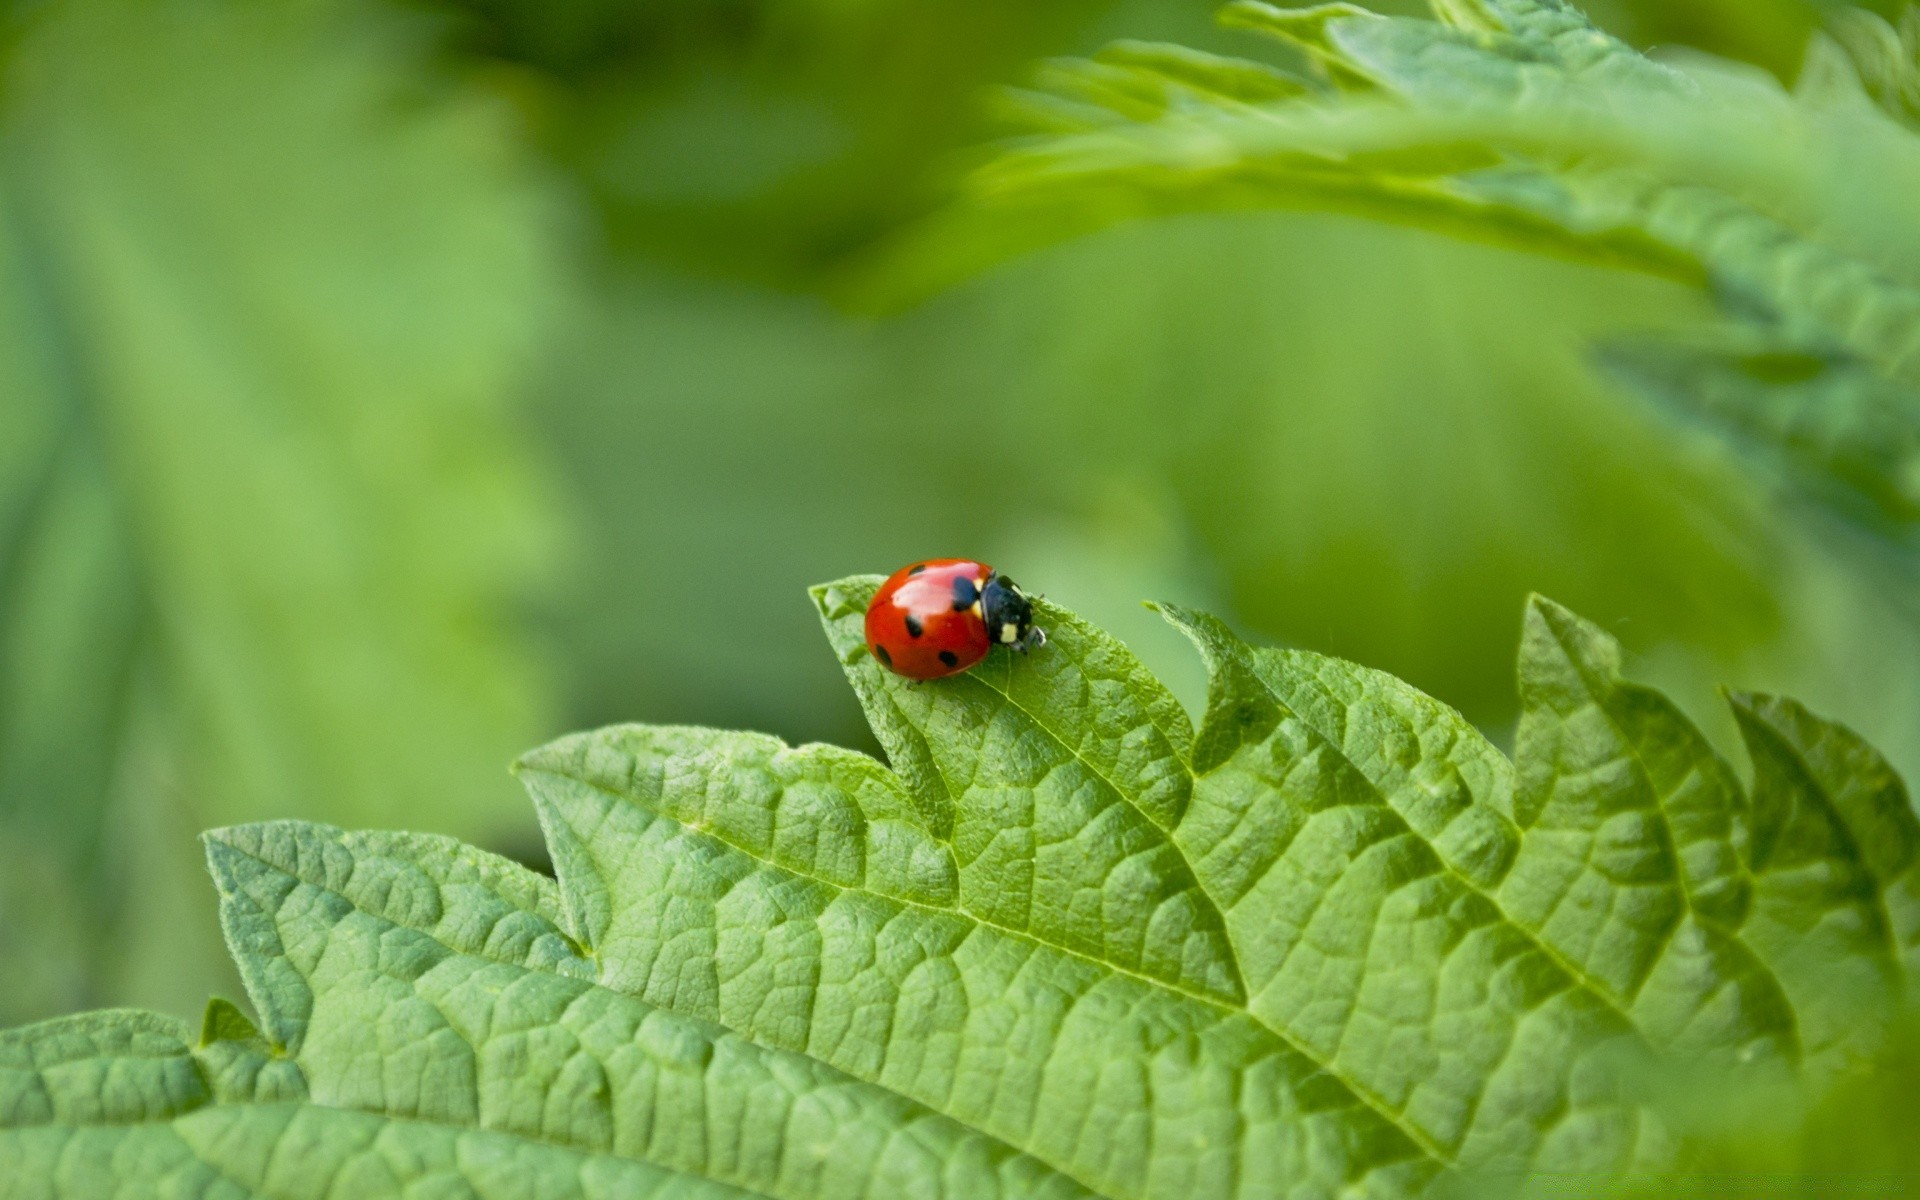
(1330,942)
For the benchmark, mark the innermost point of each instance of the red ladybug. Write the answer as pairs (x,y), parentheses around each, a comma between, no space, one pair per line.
(941,616)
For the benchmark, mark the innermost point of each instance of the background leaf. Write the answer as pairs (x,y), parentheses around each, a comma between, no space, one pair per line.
(271,512)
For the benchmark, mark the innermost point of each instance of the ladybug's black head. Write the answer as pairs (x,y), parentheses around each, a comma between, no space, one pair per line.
(1009,614)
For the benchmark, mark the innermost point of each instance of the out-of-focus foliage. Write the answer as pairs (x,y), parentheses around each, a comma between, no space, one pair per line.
(1517,121)
(1756,1139)
(1760,1142)
(265,288)
(1828,424)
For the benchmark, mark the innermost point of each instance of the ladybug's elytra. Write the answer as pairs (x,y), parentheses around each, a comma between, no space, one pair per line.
(941,616)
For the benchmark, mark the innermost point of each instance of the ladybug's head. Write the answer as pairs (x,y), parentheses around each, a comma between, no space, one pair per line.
(1009,614)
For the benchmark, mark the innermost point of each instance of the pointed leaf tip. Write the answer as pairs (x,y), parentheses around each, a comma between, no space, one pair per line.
(1549,611)
(1183,618)
(1554,639)
(843,597)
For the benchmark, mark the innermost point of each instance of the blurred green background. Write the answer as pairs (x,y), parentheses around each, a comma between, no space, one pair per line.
(386,387)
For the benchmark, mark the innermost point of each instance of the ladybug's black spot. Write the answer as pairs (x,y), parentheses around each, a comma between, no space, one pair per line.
(964,594)
(916,568)
(880,652)
(913,626)
(950,658)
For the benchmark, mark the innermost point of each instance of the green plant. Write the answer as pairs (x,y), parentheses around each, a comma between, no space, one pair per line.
(1331,941)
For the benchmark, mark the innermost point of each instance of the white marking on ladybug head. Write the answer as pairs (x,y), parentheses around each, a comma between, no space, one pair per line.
(1009,633)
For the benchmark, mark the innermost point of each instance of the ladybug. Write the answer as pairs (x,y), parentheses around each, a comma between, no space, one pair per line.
(941,616)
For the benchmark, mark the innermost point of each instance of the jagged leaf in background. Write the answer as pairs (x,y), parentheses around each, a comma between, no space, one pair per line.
(1519,123)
